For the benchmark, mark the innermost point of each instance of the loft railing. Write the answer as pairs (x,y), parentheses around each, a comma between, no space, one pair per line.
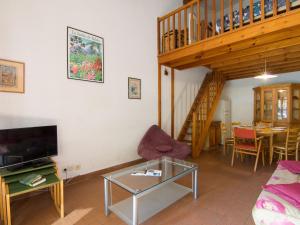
(202,19)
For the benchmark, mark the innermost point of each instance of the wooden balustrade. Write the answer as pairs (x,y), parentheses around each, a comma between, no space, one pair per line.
(190,23)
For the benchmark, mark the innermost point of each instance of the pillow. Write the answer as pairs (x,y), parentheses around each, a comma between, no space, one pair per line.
(164,148)
(288,192)
(292,166)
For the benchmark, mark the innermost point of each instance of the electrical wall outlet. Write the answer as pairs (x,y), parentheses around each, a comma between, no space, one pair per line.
(78,167)
(72,168)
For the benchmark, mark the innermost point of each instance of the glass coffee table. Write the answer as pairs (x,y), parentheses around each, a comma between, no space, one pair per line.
(149,194)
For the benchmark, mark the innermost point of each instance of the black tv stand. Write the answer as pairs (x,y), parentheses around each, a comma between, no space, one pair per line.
(33,164)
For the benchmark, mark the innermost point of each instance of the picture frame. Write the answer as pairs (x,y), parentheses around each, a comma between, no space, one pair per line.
(12,76)
(85,56)
(134,88)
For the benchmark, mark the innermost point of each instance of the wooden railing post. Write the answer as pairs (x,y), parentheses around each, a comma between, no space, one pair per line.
(274,7)
(169,39)
(241,13)
(185,26)
(231,14)
(251,11)
(174,33)
(179,29)
(205,18)
(198,20)
(288,5)
(214,17)
(222,15)
(163,36)
(262,9)
(191,25)
(158,36)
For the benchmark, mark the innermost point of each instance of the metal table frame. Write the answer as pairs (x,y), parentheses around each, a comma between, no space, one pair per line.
(108,200)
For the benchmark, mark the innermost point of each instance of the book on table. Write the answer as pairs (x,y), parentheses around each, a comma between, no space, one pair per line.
(33,180)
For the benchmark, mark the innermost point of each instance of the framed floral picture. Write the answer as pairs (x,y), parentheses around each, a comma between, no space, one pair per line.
(134,88)
(85,56)
(12,76)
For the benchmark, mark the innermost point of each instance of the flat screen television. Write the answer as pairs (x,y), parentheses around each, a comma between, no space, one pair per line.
(23,145)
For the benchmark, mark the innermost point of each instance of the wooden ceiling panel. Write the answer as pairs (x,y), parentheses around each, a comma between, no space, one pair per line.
(236,56)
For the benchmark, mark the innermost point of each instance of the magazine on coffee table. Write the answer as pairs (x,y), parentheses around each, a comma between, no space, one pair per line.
(149,173)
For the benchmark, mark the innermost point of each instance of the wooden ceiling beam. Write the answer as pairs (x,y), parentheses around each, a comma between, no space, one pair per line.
(289,42)
(251,43)
(254,72)
(289,52)
(275,60)
(277,72)
(261,66)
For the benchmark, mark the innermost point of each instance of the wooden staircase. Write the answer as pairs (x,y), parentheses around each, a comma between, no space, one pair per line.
(195,128)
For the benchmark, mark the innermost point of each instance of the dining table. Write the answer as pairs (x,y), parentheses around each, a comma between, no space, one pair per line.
(270,132)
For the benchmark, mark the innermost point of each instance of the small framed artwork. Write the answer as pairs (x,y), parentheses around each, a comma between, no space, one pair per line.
(134,88)
(85,56)
(12,76)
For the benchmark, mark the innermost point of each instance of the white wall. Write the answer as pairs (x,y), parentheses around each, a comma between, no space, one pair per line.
(98,126)
(240,92)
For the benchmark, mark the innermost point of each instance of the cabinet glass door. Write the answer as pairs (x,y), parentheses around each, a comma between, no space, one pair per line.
(282,104)
(296,104)
(268,105)
(257,106)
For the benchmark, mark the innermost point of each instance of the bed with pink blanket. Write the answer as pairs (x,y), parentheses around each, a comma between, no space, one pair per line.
(279,202)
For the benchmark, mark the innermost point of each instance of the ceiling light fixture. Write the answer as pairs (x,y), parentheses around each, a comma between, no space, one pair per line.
(265,75)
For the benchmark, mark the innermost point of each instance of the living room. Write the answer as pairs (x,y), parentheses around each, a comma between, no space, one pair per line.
(101,122)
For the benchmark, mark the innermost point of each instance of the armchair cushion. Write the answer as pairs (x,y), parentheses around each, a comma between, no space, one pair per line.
(156,143)
(164,148)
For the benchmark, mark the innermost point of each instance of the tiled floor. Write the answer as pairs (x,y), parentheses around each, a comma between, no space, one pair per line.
(226,197)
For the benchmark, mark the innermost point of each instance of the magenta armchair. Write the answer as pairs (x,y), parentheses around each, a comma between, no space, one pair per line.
(156,143)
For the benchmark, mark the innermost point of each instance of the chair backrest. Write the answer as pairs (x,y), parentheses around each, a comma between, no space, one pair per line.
(244,133)
(235,123)
(292,138)
(223,128)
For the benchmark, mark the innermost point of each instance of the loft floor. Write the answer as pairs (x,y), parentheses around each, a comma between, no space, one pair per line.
(242,52)
(227,196)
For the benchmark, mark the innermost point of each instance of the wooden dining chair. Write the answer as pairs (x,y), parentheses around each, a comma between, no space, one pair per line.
(235,123)
(228,141)
(247,143)
(289,147)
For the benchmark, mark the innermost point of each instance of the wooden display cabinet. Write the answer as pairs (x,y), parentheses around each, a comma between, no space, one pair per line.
(278,104)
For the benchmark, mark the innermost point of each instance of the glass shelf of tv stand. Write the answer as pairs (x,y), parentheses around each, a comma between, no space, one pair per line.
(6,172)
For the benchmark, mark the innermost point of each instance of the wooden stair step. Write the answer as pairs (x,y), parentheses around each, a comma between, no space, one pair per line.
(189,133)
